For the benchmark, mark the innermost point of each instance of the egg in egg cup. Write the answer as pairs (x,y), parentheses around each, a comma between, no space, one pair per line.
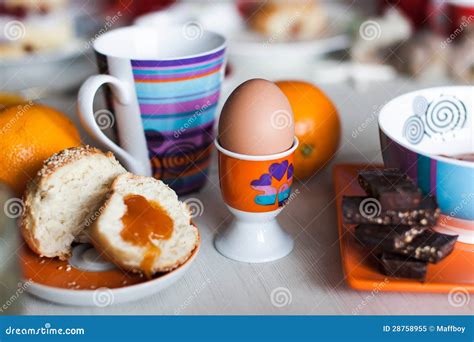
(255,189)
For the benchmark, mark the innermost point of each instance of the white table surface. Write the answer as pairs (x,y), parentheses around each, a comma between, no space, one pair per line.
(312,273)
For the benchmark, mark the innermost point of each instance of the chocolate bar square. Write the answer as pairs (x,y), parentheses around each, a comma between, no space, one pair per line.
(394,265)
(417,242)
(387,238)
(391,187)
(360,209)
(429,246)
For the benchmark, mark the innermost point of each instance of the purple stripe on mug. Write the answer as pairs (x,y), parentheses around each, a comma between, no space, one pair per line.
(178,62)
(177,106)
(179,67)
(152,76)
(159,143)
(168,85)
(185,133)
(433,177)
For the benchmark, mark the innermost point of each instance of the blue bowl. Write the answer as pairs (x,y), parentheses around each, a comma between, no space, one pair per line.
(424,133)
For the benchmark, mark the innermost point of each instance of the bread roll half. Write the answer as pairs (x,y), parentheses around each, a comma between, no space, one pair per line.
(143,251)
(64,198)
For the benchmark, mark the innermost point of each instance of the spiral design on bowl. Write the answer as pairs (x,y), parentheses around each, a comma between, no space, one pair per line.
(445,115)
(420,105)
(414,129)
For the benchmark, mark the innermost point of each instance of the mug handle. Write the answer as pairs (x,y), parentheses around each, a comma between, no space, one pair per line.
(85,110)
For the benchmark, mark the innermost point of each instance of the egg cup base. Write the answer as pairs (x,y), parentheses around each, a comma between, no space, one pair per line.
(254,238)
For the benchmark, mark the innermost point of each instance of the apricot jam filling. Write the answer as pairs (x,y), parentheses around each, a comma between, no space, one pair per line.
(143,222)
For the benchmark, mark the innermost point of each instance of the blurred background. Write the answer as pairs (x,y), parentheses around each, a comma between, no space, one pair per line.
(361,53)
(45,45)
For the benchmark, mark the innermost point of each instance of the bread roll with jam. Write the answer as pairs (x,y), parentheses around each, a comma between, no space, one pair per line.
(143,227)
(64,198)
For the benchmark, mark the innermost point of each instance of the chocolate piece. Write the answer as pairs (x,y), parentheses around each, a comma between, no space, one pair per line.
(416,242)
(393,189)
(430,246)
(399,266)
(387,238)
(356,209)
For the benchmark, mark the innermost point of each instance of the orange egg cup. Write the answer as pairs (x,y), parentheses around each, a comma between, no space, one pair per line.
(255,183)
(255,189)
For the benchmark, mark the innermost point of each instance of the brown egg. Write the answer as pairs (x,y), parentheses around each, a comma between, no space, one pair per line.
(256,120)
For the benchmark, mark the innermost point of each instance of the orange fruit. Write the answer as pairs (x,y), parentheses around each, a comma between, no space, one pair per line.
(29,134)
(317,126)
(10,99)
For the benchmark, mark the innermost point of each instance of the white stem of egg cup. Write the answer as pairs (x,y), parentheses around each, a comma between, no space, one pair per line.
(254,237)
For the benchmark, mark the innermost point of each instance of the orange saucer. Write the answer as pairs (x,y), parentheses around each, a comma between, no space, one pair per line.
(60,274)
(86,279)
(453,272)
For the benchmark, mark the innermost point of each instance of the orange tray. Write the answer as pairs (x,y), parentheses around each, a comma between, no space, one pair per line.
(361,274)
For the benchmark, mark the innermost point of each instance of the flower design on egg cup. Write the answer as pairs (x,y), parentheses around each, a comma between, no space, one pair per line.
(274,186)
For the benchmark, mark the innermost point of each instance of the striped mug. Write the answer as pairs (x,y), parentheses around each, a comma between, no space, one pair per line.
(164,91)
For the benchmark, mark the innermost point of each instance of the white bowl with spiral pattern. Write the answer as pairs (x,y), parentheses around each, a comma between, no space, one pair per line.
(421,133)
